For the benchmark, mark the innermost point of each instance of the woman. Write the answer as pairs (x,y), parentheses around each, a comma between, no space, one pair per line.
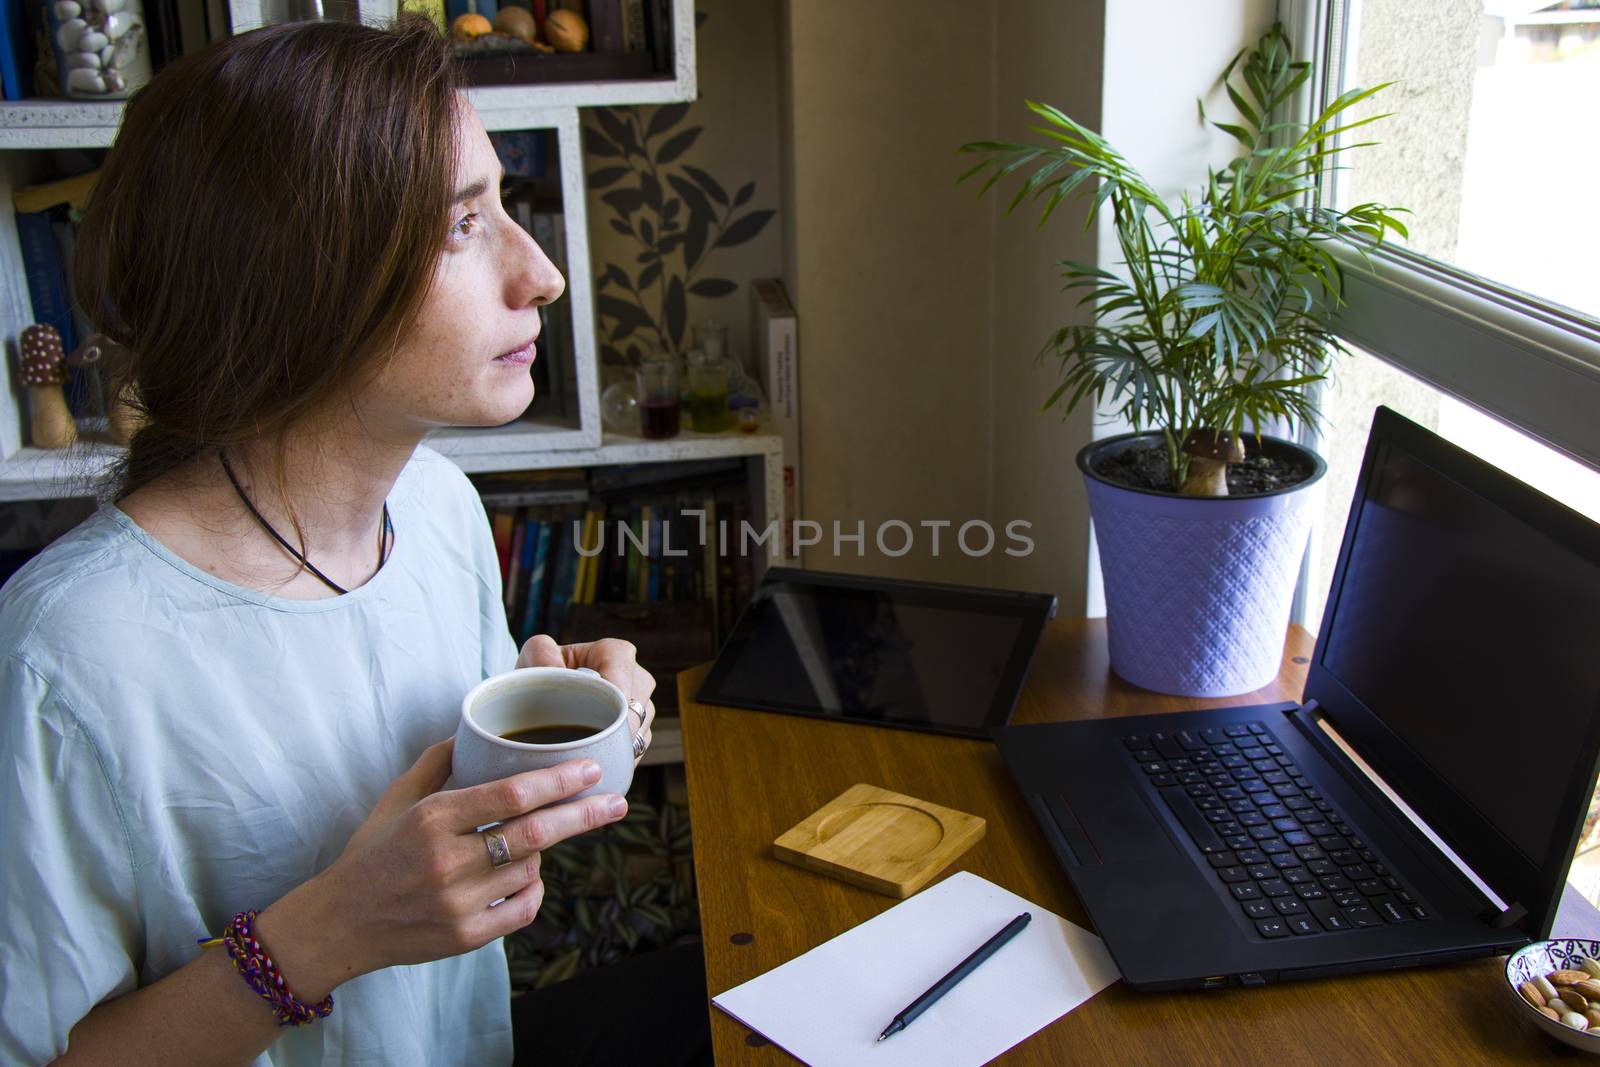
(226,691)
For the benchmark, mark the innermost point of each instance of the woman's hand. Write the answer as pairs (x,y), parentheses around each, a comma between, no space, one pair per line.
(415,882)
(614,660)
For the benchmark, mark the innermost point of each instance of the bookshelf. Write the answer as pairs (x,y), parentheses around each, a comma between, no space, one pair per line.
(30,129)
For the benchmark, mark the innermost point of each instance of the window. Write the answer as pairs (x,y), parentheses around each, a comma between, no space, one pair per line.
(1485,325)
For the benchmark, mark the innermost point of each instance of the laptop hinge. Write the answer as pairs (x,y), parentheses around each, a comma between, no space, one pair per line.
(1499,920)
(1314,724)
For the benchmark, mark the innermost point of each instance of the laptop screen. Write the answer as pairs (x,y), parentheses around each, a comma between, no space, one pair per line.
(1465,619)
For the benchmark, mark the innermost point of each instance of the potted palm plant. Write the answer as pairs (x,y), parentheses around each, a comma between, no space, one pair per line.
(1210,334)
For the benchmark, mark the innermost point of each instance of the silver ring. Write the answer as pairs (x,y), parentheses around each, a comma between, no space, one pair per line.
(499,850)
(638,745)
(638,709)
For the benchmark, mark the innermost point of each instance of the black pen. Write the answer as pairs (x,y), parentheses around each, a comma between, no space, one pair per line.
(962,969)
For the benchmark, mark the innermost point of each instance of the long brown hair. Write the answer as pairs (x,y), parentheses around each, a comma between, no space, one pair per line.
(266,226)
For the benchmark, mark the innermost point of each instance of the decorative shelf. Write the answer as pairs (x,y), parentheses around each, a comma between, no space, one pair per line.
(36,474)
(47,123)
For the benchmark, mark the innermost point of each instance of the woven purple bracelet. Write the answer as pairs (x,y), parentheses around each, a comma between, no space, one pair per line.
(250,959)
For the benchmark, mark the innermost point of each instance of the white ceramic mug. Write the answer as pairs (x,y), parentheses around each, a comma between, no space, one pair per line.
(534,696)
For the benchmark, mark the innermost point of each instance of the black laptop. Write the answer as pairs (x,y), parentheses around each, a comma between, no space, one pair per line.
(1458,659)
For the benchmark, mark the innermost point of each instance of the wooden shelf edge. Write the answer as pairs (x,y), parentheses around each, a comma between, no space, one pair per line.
(40,474)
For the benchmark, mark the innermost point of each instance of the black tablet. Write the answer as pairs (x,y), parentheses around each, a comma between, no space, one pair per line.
(946,659)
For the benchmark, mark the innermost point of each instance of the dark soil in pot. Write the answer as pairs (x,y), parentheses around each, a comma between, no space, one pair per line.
(1145,467)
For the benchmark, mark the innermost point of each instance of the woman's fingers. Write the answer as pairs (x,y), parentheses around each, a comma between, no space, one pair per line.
(541,650)
(512,914)
(612,658)
(538,830)
(506,798)
(501,882)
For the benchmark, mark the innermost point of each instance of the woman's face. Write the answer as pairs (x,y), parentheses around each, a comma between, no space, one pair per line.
(466,364)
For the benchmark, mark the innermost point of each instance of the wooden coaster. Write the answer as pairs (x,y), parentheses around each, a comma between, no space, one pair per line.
(883,841)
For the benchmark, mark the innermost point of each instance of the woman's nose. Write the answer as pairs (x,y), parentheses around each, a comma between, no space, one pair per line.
(534,280)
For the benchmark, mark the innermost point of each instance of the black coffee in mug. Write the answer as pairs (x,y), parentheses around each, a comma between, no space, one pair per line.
(550,733)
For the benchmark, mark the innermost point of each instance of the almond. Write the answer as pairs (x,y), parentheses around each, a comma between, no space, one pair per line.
(1530,994)
(1575,1000)
(1550,1013)
(1568,977)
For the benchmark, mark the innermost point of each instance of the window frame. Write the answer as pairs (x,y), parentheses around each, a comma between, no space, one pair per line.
(1529,363)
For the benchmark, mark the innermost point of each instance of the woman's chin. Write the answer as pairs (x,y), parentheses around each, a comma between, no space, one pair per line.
(504,410)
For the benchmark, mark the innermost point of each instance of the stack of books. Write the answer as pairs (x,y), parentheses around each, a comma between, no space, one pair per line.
(660,533)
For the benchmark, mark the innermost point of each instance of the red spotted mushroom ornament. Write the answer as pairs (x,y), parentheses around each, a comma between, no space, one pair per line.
(42,356)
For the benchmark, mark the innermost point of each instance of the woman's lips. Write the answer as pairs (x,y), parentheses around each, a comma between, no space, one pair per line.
(519,357)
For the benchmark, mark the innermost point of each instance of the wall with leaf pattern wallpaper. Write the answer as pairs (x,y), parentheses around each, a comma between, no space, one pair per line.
(683,198)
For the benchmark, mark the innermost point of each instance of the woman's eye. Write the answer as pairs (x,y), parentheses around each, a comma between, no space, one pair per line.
(465,227)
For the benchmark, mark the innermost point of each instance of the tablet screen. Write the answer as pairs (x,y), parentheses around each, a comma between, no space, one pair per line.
(949,659)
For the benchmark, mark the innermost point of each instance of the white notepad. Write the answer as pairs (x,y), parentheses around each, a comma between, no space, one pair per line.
(828,1006)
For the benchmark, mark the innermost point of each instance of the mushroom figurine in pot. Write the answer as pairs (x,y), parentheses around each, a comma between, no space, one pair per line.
(1212,451)
(42,356)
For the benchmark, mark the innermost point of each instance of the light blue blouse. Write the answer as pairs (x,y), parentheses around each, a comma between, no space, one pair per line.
(175,749)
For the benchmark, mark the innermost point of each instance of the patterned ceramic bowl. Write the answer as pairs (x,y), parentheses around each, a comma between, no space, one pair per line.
(1540,958)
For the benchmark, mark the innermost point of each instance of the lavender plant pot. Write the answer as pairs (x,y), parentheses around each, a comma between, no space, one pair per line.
(1198,589)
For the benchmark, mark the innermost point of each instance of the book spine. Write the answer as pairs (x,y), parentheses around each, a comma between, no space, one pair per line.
(642,571)
(708,558)
(776,351)
(671,545)
(84,395)
(580,578)
(532,610)
(519,534)
(634,36)
(47,281)
(500,522)
(743,564)
(633,555)
(605,25)
(616,555)
(725,591)
(13,41)
(595,538)
(563,544)
(653,590)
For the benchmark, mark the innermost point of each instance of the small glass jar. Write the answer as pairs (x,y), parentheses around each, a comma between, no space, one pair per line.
(100,47)
(709,375)
(658,395)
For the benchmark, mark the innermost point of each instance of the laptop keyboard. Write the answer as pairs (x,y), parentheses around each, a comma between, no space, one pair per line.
(1289,859)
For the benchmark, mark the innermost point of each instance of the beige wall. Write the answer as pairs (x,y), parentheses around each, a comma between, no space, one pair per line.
(892,270)
(918,323)
(1049,52)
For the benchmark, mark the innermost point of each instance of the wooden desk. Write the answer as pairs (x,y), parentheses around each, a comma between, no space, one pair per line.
(752,775)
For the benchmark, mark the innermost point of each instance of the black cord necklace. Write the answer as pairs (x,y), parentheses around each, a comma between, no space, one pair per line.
(384,531)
